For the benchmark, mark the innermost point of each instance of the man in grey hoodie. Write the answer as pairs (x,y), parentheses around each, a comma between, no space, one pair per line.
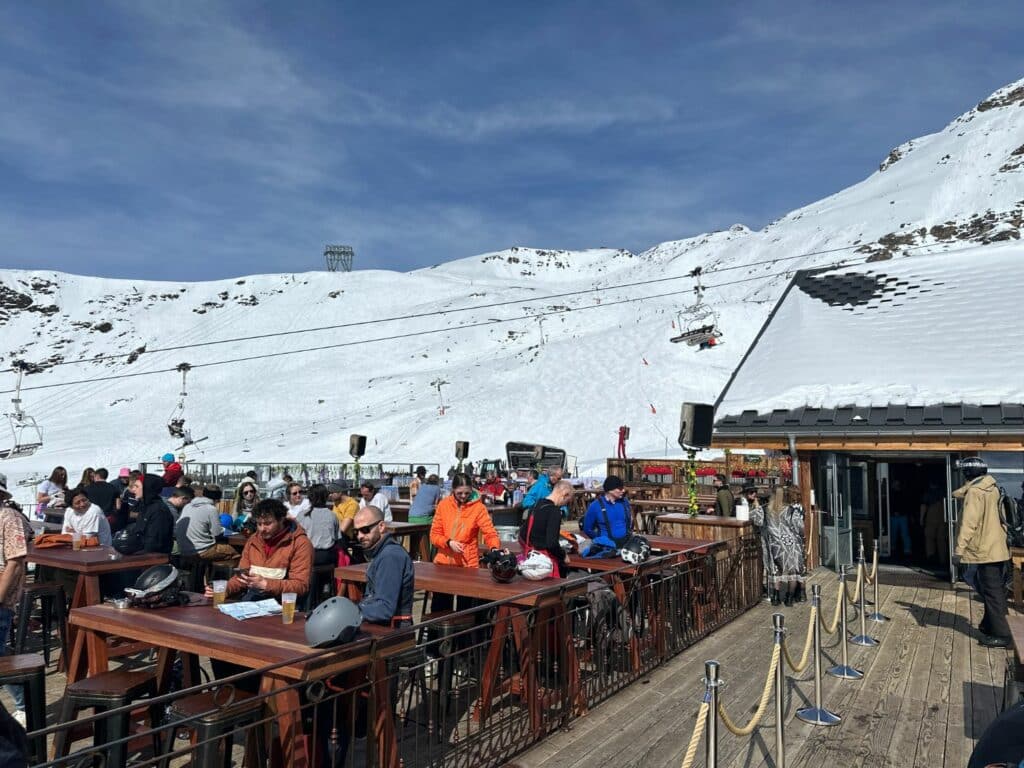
(198,531)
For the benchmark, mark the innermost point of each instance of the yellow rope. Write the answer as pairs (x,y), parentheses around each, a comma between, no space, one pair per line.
(857,586)
(806,657)
(874,569)
(761,708)
(830,629)
(698,730)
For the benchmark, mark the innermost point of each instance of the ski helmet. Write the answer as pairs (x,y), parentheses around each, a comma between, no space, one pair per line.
(537,566)
(157,587)
(635,550)
(972,467)
(333,622)
(127,541)
(503,567)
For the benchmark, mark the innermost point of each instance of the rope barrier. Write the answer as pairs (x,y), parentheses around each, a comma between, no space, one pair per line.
(857,585)
(830,629)
(698,731)
(806,657)
(761,708)
(870,578)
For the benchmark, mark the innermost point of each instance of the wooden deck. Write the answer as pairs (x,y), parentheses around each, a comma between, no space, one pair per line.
(928,692)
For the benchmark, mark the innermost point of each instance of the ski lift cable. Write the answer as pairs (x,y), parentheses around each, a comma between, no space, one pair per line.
(441,312)
(432,331)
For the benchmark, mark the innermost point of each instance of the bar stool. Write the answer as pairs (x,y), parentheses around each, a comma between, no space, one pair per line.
(53,602)
(104,692)
(408,668)
(452,632)
(213,720)
(28,670)
(322,576)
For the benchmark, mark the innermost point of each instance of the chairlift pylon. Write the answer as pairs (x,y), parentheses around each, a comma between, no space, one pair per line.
(26,435)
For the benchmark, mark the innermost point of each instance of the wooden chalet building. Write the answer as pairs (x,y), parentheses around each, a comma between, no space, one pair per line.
(876,379)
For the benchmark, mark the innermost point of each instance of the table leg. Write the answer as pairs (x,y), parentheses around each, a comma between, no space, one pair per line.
(383,718)
(292,745)
(529,648)
(493,662)
(1018,600)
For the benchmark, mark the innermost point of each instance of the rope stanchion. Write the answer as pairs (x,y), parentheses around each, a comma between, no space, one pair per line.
(711,686)
(818,715)
(871,577)
(877,616)
(830,629)
(698,731)
(843,670)
(779,621)
(808,643)
(857,586)
(863,639)
(863,564)
(748,729)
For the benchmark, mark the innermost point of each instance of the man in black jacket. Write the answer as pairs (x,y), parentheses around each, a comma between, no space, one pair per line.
(542,528)
(154,522)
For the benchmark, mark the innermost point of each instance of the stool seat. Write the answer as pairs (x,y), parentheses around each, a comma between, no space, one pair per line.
(119,683)
(216,707)
(19,666)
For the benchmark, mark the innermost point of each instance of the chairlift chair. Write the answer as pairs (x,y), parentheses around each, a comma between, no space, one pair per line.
(26,435)
(703,331)
(176,421)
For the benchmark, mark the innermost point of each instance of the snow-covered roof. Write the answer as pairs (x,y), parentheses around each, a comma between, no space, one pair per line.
(912,331)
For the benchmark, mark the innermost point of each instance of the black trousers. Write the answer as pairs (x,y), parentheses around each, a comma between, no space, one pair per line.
(993,592)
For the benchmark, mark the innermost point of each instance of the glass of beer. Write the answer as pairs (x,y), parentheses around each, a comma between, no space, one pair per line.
(288,607)
(76,541)
(220,591)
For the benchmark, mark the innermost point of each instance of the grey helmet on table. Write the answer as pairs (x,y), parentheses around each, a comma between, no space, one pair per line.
(333,622)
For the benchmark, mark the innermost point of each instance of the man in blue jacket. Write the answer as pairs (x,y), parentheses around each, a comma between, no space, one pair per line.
(387,598)
(609,520)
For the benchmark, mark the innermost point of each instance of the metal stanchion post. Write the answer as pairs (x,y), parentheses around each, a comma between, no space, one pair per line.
(863,638)
(877,616)
(844,671)
(863,562)
(818,715)
(779,622)
(711,733)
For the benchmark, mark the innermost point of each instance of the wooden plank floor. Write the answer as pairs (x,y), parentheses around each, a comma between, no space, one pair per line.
(929,690)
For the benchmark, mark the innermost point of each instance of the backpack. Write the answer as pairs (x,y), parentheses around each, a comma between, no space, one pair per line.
(1011,515)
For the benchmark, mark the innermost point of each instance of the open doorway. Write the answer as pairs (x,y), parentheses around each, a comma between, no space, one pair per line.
(912,516)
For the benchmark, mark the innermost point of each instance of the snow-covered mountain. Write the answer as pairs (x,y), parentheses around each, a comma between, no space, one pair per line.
(567,379)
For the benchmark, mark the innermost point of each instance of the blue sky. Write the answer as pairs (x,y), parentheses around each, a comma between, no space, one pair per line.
(200,140)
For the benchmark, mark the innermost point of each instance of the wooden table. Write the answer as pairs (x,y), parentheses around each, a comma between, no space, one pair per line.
(200,630)
(518,597)
(419,537)
(1013,682)
(1016,563)
(90,564)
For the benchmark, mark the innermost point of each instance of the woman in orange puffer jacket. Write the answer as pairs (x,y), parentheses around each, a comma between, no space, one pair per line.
(458,522)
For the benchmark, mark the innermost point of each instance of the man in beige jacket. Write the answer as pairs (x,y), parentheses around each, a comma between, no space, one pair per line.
(981,543)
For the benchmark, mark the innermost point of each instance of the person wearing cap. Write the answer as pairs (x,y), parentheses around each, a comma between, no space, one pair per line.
(13,555)
(609,520)
(199,532)
(172,470)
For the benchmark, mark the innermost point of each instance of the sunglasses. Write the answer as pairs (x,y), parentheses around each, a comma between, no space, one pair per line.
(365,529)
(296,493)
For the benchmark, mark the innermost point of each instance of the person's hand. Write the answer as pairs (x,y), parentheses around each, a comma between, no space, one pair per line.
(956,560)
(455,546)
(254,582)
(208,591)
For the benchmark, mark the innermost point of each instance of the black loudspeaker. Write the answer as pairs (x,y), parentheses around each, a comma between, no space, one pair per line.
(461,449)
(356,445)
(695,425)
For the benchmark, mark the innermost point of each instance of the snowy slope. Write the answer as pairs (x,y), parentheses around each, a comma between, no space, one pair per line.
(569,379)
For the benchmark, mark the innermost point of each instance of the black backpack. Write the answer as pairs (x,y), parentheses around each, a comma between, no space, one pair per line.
(1011,515)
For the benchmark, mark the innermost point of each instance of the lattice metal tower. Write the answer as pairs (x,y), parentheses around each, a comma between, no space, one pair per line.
(339,258)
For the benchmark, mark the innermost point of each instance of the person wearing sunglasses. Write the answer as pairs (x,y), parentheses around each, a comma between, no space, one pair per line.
(246,498)
(296,501)
(387,598)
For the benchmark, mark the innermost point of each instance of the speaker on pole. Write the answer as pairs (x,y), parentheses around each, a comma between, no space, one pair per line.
(461,449)
(356,446)
(695,425)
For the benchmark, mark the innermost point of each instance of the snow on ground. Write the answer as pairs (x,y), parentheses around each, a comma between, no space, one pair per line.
(566,379)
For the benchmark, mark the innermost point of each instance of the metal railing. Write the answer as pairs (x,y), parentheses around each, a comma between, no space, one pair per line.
(477,686)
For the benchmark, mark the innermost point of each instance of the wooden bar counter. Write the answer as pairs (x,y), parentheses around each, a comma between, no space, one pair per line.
(703,527)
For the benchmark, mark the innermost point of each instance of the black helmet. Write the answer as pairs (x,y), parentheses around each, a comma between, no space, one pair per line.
(333,622)
(127,541)
(503,566)
(972,467)
(157,587)
(635,550)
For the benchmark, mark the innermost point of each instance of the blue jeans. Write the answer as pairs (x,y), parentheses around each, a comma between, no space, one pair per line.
(900,530)
(17,692)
